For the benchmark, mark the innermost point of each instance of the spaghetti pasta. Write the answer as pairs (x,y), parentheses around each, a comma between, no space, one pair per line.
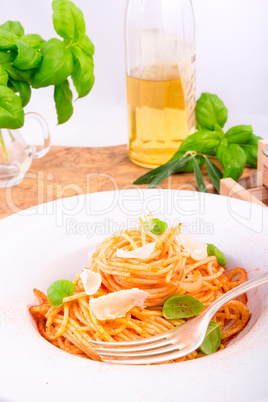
(169,270)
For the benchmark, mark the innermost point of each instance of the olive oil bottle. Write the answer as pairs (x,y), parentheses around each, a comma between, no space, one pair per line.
(160,59)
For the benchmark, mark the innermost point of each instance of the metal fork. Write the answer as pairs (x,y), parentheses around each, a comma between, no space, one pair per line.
(175,343)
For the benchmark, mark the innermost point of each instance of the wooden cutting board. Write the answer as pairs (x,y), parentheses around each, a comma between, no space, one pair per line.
(68,171)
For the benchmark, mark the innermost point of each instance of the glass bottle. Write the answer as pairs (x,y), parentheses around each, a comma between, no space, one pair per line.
(160,61)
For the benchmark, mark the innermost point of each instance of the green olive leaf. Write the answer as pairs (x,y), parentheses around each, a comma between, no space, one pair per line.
(14,27)
(189,167)
(202,141)
(56,66)
(155,226)
(24,90)
(199,178)
(239,134)
(210,110)
(182,306)
(58,290)
(214,173)
(11,111)
(82,75)
(68,20)
(63,101)
(157,175)
(213,250)
(7,40)
(33,40)
(86,45)
(3,76)
(233,160)
(251,150)
(27,57)
(212,339)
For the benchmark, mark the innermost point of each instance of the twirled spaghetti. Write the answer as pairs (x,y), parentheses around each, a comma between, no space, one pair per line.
(168,271)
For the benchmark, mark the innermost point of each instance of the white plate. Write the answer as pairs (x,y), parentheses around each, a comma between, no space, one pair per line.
(52,241)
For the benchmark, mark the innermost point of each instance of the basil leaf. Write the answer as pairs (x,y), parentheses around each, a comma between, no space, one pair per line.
(203,141)
(68,20)
(219,130)
(58,290)
(239,134)
(27,57)
(82,74)
(7,40)
(56,66)
(155,226)
(63,101)
(6,60)
(212,339)
(33,40)
(24,90)
(251,150)
(14,27)
(7,57)
(3,76)
(167,169)
(210,110)
(182,306)
(213,250)
(11,86)
(199,178)
(18,75)
(11,111)
(86,45)
(214,173)
(233,160)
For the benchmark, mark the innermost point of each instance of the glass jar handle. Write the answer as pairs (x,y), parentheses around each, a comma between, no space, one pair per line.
(38,151)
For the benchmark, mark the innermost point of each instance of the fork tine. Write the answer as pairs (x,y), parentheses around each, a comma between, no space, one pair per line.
(160,358)
(148,347)
(165,349)
(152,339)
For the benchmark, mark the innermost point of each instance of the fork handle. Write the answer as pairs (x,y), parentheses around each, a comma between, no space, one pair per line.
(232,294)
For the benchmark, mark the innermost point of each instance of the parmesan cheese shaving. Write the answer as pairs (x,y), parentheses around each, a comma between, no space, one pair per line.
(117,304)
(141,252)
(196,248)
(91,281)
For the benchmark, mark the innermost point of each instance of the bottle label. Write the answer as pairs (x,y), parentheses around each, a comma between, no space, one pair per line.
(188,82)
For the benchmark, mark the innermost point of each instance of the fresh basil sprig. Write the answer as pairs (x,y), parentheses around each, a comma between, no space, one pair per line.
(233,160)
(29,61)
(58,290)
(213,250)
(234,149)
(212,339)
(210,110)
(156,226)
(182,306)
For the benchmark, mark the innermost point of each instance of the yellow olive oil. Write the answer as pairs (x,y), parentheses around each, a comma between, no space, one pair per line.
(161,109)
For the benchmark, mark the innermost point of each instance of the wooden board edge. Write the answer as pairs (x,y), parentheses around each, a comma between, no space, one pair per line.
(231,188)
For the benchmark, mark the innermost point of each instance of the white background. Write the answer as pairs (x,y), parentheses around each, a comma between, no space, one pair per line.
(232,61)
